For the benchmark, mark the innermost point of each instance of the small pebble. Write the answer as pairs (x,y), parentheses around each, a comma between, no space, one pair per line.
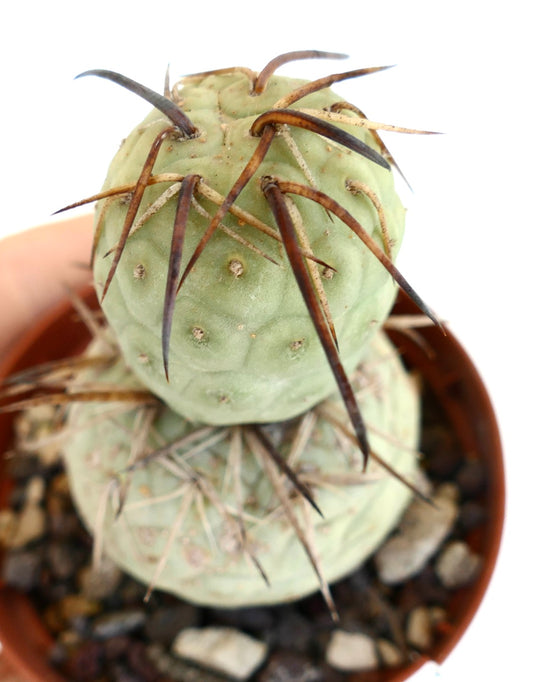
(35,490)
(63,559)
(423,588)
(457,565)
(472,515)
(69,640)
(221,649)
(8,527)
(140,663)
(293,632)
(85,664)
(22,569)
(118,623)
(61,524)
(116,647)
(121,673)
(351,652)
(471,477)
(419,629)
(22,466)
(177,669)
(30,526)
(98,582)
(445,455)
(420,534)
(74,605)
(289,666)
(438,615)
(166,621)
(255,618)
(389,654)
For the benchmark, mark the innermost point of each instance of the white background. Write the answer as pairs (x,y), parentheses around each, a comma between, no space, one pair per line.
(463,68)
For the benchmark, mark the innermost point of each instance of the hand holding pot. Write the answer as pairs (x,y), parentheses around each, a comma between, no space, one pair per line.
(36,268)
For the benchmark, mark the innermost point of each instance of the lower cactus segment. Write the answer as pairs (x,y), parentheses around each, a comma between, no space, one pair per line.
(204,513)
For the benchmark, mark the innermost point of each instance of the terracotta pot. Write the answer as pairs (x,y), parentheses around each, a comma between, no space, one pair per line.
(457,387)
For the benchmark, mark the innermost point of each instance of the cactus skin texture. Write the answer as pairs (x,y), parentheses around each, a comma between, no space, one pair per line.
(243,347)
(181,515)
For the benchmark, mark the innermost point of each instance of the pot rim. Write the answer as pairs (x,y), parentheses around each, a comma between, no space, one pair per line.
(25,641)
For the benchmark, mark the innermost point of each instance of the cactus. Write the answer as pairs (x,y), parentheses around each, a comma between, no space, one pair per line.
(244,259)
(295,260)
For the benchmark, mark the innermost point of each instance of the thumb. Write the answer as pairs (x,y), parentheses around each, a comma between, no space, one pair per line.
(36,267)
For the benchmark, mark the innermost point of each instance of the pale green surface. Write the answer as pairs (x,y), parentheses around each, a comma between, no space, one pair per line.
(244,369)
(205,563)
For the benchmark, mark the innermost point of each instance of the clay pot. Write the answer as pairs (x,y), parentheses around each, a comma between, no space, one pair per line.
(453,380)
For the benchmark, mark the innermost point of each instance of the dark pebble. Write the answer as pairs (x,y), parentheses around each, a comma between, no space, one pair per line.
(118,623)
(293,632)
(64,559)
(185,672)
(359,581)
(445,456)
(17,497)
(254,619)
(471,478)
(22,569)
(54,591)
(23,466)
(58,654)
(289,666)
(140,664)
(316,611)
(423,589)
(471,515)
(131,593)
(63,525)
(81,625)
(362,605)
(121,673)
(164,623)
(116,647)
(85,664)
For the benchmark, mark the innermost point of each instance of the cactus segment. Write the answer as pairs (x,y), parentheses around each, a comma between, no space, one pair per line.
(226,338)
(205,513)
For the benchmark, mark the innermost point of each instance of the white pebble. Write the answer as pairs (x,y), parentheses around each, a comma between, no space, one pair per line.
(419,630)
(8,526)
(35,490)
(31,526)
(389,654)
(457,565)
(222,649)
(351,651)
(421,532)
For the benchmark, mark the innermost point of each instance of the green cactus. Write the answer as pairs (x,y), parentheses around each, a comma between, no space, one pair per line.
(210,520)
(243,256)
(296,261)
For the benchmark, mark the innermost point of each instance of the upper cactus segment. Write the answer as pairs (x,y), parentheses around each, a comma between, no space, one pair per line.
(268,206)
